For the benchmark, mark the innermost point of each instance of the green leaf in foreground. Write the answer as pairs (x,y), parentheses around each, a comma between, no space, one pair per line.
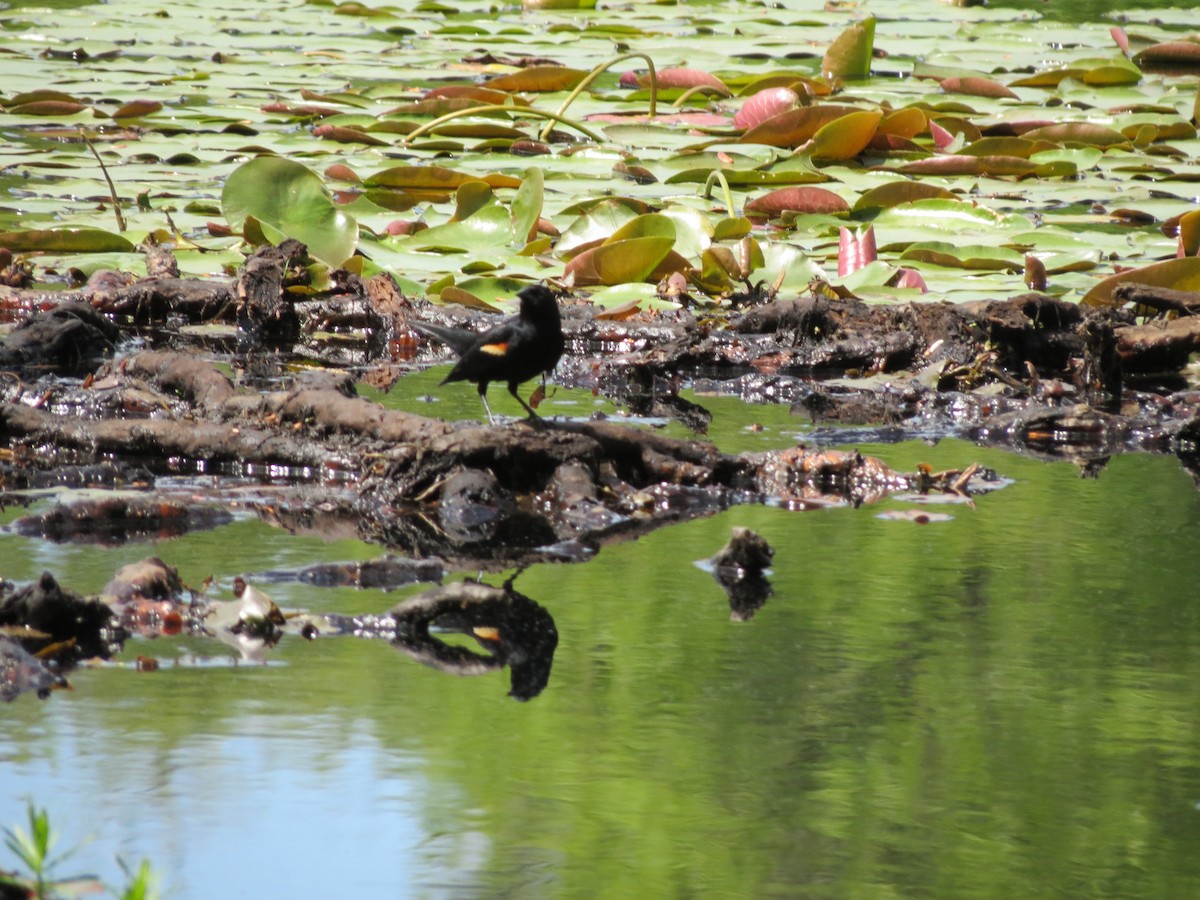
(292,200)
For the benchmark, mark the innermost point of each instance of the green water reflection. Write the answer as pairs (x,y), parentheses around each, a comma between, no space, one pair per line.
(1002,705)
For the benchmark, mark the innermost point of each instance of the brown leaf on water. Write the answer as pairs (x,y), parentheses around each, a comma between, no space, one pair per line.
(345,135)
(1035,273)
(342,172)
(621,313)
(1078,132)
(904,123)
(538,79)
(1170,53)
(136,108)
(976,86)
(481,95)
(794,127)
(798,199)
(47,108)
(962,164)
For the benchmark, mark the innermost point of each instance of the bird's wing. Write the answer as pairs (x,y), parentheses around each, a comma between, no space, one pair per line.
(459,340)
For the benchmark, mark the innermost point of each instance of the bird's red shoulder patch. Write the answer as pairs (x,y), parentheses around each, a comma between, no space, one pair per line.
(494,349)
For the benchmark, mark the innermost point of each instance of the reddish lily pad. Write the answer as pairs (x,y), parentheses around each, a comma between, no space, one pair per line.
(1171,53)
(977,86)
(137,108)
(47,108)
(794,127)
(1077,133)
(798,200)
(480,95)
(764,105)
(962,164)
(685,79)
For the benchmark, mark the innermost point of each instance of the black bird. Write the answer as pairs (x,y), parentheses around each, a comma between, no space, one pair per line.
(528,344)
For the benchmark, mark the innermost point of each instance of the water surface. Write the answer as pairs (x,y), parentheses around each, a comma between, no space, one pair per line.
(1000,705)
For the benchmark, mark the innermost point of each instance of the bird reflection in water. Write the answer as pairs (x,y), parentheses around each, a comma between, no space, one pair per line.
(515,632)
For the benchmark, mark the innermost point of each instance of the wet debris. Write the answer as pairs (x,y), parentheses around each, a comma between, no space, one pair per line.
(386,573)
(741,569)
(148,598)
(21,672)
(258,617)
(120,519)
(70,339)
(76,626)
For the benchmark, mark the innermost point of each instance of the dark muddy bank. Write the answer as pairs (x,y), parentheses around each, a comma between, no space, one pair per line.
(77,411)
(116,385)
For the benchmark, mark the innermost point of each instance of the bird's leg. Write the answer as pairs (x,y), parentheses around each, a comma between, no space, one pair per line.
(486,408)
(512,389)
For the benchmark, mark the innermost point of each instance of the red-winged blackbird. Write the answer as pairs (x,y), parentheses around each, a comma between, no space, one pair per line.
(516,350)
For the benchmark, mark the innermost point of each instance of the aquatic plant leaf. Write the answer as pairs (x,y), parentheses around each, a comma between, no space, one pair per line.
(903,191)
(1079,133)
(1189,233)
(558,4)
(849,56)
(1175,53)
(685,79)
(136,108)
(905,123)
(846,137)
(537,79)
(961,164)
(65,240)
(1174,274)
(980,257)
(487,229)
(765,104)
(527,204)
(798,199)
(594,226)
(648,225)
(621,261)
(794,127)
(977,86)
(47,108)
(292,199)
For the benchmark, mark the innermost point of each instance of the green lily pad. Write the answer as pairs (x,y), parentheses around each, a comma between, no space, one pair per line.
(65,240)
(291,199)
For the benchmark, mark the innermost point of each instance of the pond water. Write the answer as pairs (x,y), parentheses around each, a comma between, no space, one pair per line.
(1001,704)
(998,705)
